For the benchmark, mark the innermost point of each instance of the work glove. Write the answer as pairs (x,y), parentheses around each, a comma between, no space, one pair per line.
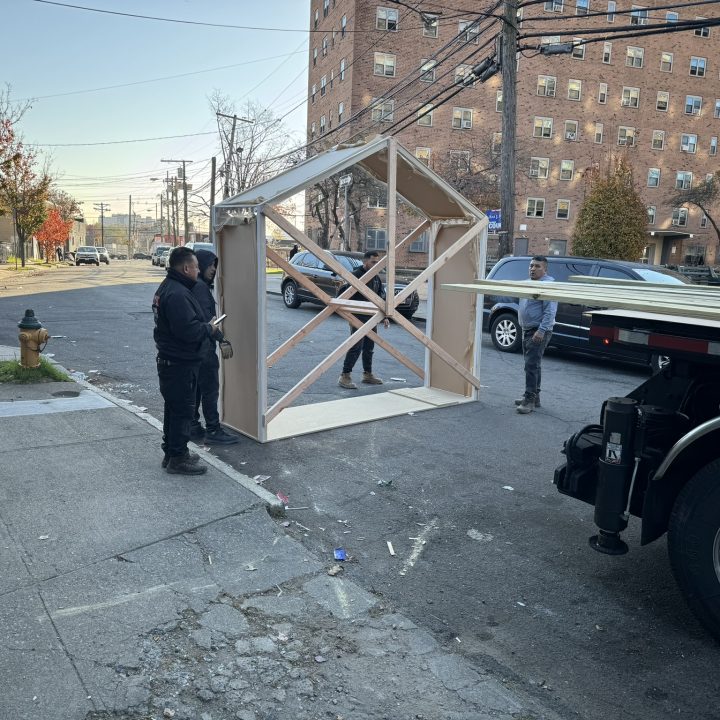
(226,349)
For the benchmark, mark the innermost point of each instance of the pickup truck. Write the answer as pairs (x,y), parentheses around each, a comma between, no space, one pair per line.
(655,453)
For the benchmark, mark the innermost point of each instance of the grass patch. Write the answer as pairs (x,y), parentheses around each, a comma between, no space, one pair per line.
(12,372)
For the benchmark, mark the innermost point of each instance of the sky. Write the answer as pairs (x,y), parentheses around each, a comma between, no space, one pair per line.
(69,54)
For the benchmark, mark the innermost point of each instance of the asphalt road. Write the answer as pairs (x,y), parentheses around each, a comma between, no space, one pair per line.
(489,556)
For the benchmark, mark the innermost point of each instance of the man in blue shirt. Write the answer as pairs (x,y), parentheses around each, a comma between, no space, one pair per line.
(537,318)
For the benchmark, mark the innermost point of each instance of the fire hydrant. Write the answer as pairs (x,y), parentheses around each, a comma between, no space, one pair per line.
(32,336)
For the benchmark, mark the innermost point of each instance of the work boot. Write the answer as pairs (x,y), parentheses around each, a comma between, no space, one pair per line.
(369,379)
(520,401)
(183,465)
(197,431)
(346,382)
(526,406)
(218,436)
(189,456)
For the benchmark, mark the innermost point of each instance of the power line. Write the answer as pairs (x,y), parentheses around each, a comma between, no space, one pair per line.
(118,142)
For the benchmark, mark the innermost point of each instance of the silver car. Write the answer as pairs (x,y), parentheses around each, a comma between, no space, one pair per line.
(87,255)
(104,256)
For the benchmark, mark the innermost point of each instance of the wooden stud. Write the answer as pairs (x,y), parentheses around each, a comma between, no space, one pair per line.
(391,226)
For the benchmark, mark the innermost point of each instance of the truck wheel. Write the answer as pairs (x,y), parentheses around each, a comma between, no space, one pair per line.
(505,333)
(694,545)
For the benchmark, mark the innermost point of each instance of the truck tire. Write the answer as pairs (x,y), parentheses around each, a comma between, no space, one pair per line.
(505,332)
(694,545)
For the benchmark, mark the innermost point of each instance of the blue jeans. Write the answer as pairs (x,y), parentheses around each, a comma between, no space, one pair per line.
(533,353)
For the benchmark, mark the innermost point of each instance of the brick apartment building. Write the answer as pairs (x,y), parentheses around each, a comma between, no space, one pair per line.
(653,99)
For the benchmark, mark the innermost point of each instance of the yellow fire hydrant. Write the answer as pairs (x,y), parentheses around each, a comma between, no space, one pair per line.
(32,336)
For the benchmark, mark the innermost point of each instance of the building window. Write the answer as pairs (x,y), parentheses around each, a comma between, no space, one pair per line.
(702,31)
(630,97)
(382,110)
(375,239)
(498,101)
(574,89)
(612,6)
(460,160)
(421,244)
(709,180)
(693,104)
(323,85)
(563,210)
(430,25)
(638,15)
(582,7)
(425,116)
(542,127)
(313,92)
(315,57)
(341,112)
(567,169)
(325,46)
(698,66)
(680,217)
(602,93)
(462,118)
(323,123)
(385,64)
(546,85)
(663,101)
(342,69)
(651,214)
(713,145)
(469,32)
(666,62)
(535,207)
(578,51)
(671,17)
(607,53)
(683,180)
(343,26)
(462,72)
(717,109)
(634,57)
(316,19)
(423,155)
(427,70)
(326,7)
(653,178)
(496,142)
(313,131)
(554,6)
(598,133)
(626,136)
(571,130)
(703,221)
(378,199)
(658,140)
(386,19)
(539,168)
(688,143)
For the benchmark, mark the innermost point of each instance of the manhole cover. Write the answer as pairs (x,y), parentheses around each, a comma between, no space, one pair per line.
(66,393)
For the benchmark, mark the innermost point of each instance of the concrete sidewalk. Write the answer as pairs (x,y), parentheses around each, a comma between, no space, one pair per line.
(126,592)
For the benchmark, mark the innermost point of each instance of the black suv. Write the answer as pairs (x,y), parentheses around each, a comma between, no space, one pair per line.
(571,332)
(329,281)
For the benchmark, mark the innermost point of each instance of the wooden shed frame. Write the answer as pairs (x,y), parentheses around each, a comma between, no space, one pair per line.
(457,249)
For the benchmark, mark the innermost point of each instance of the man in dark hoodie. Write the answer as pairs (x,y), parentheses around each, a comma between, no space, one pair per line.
(208,388)
(182,334)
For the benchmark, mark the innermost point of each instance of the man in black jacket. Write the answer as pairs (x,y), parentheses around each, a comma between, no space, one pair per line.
(208,388)
(181,336)
(366,345)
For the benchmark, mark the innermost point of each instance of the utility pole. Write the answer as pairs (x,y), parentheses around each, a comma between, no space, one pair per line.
(508,64)
(130,227)
(102,207)
(161,217)
(231,150)
(211,232)
(184,181)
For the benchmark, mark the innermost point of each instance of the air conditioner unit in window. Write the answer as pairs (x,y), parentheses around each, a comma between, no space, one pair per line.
(569,135)
(467,124)
(685,148)
(534,172)
(550,92)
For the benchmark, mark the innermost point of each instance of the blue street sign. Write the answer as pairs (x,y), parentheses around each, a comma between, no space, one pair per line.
(495,221)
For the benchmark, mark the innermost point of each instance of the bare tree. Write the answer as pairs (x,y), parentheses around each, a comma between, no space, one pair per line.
(705,196)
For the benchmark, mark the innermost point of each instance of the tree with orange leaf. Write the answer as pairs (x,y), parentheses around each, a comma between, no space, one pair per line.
(53,233)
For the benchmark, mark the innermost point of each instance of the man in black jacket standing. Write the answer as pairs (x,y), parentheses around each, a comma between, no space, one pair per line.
(181,337)
(208,389)
(365,346)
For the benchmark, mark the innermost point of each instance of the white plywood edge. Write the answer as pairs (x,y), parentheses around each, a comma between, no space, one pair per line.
(432,396)
(306,419)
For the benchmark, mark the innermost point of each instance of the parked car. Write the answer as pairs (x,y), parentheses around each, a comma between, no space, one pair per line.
(141,256)
(103,253)
(571,332)
(201,246)
(157,252)
(163,259)
(329,281)
(87,255)
(700,274)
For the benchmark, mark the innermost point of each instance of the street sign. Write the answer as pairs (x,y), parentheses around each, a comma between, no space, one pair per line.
(345,180)
(495,220)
